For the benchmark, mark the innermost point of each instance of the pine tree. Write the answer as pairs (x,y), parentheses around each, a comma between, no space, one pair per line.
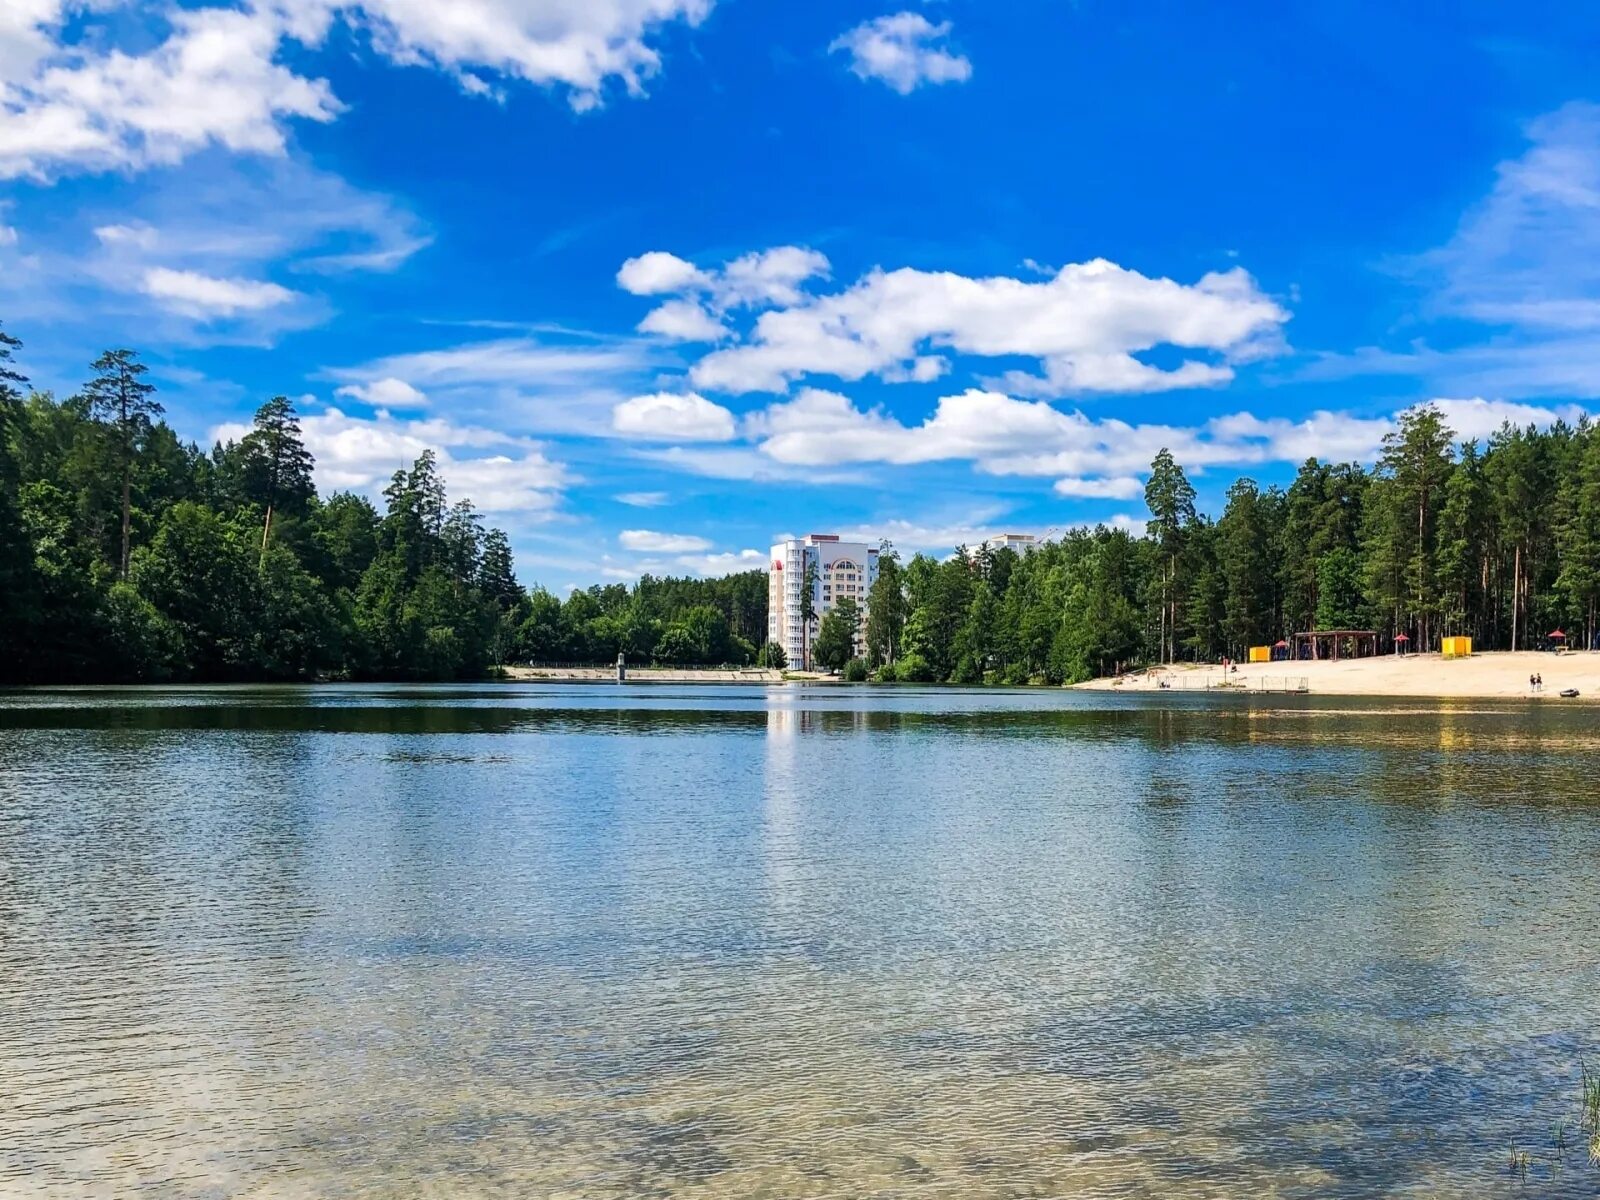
(497,576)
(275,464)
(1170,498)
(1416,460)
(1579,535)
(808,610)
(1245,547)
(119,397)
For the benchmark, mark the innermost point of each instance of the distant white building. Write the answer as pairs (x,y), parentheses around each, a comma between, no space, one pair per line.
(842,569)
(1020,542)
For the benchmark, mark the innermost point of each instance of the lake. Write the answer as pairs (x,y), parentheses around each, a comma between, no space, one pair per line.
(600,941)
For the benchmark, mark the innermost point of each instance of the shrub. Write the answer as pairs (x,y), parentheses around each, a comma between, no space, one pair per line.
(967,671)
(913,668)
(855,671)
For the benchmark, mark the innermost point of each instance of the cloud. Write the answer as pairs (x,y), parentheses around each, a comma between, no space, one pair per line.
(523,361)
(710,564)
(385,393)
(211,80)
(582,46)
(744,464)
(1085,325)
(678,418)
(205,297)
(1093,457)
(938,534)
(904,50)
(1118,487)
(644,499)
(238,220)
(555,383)
(1529,254)
(1522,271)
(1477,418)
(683,321)
(497,472)
(214,76)
(140,235)
(658,273)
(650,542)
(706,296)
(727,562)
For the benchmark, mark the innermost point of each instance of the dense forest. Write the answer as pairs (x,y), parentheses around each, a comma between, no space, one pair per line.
(127,554)
(1499,542)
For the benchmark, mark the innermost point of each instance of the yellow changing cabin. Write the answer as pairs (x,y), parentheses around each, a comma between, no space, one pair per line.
(1456,647)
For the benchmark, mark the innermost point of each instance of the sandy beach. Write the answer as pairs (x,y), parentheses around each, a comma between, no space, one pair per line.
(1490,675)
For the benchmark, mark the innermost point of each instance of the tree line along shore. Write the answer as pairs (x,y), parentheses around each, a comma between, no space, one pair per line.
(127,554)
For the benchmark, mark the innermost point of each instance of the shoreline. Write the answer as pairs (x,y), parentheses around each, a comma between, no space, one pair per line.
(753,675)
(1493,674)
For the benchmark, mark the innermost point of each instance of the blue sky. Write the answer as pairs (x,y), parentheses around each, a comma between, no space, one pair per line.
(665,279)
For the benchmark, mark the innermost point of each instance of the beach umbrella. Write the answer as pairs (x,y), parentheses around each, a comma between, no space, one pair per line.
(1559,634)
(1280,644)
(1400,637)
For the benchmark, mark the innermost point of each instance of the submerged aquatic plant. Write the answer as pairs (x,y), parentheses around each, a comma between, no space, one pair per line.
(1519,1162)
(1558,1137)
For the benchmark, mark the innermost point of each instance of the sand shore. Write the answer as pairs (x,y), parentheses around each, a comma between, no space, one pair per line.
(1501,674)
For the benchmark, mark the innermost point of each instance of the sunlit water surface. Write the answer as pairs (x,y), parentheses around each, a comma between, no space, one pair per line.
(673,942)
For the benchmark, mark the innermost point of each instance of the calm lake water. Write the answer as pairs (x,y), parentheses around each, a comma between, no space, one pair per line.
(799,942)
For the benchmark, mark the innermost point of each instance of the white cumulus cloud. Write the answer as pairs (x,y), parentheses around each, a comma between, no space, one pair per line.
(666,416)
(212,80)
(1092,458)
(497,472)
(705,296)
(904,50)
(73,100)
(1086,326)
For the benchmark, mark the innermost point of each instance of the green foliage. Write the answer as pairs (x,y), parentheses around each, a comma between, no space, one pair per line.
(913,668)
(773,657)
(886,608)
(126,554)
(122,403)
(1170,498)
(856,671)
(836,639)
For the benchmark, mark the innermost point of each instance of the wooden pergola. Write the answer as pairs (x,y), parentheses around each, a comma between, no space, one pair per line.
(1326,643)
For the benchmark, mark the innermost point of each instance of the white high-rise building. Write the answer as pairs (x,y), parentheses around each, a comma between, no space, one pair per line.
(842,569)
(1020,542)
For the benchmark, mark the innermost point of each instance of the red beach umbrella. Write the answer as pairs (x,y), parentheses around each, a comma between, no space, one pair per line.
(1559,634)
(1400,637)
(1280,644)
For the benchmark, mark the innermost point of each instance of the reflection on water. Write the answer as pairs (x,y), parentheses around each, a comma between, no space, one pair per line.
(612,942)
